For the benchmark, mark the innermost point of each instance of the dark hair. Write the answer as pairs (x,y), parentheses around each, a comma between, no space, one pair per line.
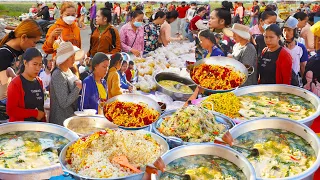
(208,35)
(28,55)
(159,14)
(201,9)
(222,13)
(79,3)
(105,12)
(227,5)
(266,14)
(136,13)
(131,63)
(302,2)
(124,62)
(54,4)
(115,58)
(300,16)
(183,2)
(98,58)
(83,3)
(264,3)
(311,17)
(193,3)
(274,28)
(173,14)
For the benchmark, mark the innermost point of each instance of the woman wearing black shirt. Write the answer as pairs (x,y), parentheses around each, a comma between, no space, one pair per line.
(25,92)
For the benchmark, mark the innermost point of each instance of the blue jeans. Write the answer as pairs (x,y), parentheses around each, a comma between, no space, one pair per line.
(254,21)
(190,36)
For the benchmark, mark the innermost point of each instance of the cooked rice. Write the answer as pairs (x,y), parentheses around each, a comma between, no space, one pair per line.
(92,156)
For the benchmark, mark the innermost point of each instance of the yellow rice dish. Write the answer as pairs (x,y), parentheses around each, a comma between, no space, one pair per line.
(169,85)
(217,77)
(130,114)
(225,103)
(92,156)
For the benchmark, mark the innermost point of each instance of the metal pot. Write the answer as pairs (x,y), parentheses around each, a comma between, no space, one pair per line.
(212,149)
(62,157)
(288,125)
(286,89)
(136,98)
(88,121)
(175,141)
(222,61)
(174,77)
(40,173)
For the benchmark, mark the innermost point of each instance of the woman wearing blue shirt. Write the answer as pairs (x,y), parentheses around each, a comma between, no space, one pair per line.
(123,80)
(95,86)
(208,42)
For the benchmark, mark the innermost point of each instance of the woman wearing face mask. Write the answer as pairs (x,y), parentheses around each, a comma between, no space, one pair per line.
(265,19)
(297,50)
(305,33)
(152,32)
(64,85)
(275,62)
(113,78)
(64,28)
(105,38)
(95,84)
(131,34)
(26,35)
(25,92)
(165,30)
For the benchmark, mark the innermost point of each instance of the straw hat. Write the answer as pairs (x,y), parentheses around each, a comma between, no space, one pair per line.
(239,29)
(65,50)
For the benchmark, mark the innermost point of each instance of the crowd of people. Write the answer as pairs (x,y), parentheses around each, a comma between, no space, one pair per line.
(274,54)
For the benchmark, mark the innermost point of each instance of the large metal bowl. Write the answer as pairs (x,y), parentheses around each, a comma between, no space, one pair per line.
(309,96)
(174,77)
(62,157)
(87,121)
(288,125)
(212,149)
(222,61)
(39,173)
(136,98)
(175,142)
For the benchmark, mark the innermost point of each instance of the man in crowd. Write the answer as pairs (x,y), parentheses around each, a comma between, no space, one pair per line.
(182,10)
(44,14)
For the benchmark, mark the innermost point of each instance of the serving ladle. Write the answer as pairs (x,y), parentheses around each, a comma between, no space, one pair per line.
(178,86)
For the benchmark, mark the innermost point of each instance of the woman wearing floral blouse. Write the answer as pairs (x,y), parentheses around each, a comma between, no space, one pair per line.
(152,32)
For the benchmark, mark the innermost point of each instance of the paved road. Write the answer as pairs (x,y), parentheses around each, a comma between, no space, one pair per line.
(85,36)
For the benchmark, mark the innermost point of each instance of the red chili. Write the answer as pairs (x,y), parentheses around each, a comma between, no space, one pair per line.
(1,153)
(215,132)
(69,161)
(293,158)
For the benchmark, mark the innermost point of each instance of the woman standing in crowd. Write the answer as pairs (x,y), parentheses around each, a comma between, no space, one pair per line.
(64,85)
(268,17)
(208,42)
(165,29)
(25,92)
(152,32)
(297,50)
(26,35)
(124,83)
(56,11)
(83,13)
(113,79)
(196,23)
(105,37)
(65,29)
(239,13)
(243,50)
(95,84)
(131,34)
(275,62)
(264,19)
(46,74)
(304,27)
(78,13)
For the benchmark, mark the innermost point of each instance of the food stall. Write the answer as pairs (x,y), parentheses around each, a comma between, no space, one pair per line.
(225,132)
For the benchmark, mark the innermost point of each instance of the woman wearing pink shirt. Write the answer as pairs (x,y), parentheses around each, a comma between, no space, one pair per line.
(131,34)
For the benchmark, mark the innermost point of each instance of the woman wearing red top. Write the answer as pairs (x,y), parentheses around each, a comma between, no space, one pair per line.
(275,63)
(25,92)
(196,23)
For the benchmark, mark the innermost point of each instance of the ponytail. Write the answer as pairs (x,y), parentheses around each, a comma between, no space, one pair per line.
(160,14)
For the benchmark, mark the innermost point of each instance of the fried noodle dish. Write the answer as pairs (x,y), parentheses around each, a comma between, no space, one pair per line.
(93,156)
(192,124)
(130,114)
(217,77)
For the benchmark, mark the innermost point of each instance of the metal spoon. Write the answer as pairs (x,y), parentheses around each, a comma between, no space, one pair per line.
(58,148)
(178,86)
